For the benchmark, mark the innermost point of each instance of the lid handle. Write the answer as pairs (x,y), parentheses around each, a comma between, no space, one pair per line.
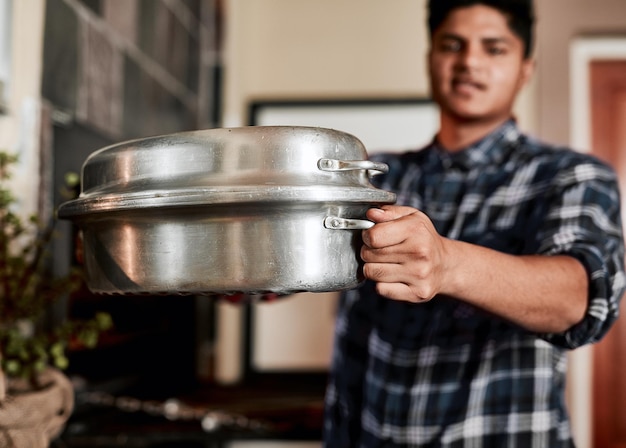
(349,165)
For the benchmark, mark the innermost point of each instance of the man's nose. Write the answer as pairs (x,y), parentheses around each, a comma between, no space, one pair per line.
(470,57)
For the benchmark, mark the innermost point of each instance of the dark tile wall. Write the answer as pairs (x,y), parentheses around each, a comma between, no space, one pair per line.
(129,80)
(60,57)
(115,70)
(149,108)
(94,5)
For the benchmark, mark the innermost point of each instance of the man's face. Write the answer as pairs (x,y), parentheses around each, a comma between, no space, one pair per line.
(477,65)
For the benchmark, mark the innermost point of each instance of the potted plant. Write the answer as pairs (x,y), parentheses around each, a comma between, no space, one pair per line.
(35,397)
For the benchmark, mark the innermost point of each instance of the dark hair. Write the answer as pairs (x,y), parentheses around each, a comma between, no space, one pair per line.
(520,15)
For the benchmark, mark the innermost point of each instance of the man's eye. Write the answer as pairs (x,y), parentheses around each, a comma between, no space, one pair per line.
(450,46)
(496,51)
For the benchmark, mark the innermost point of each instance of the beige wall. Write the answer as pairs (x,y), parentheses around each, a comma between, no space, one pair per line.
(277,49)
(19,125)
(560,21)
(369,48)
(323,48)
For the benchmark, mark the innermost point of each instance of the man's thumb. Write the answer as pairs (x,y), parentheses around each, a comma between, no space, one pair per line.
(389,213)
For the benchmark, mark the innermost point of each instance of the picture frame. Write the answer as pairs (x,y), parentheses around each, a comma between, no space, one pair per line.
(293,335)
(387,124)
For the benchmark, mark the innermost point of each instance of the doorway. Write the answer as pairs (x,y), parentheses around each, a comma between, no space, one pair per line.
(597,392)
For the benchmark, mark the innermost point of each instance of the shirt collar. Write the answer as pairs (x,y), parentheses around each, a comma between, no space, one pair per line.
(491,149)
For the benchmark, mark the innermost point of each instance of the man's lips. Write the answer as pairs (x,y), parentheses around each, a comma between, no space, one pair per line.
(467,85)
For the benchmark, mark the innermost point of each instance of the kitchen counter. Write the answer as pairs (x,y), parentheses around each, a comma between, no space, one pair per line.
(269,407)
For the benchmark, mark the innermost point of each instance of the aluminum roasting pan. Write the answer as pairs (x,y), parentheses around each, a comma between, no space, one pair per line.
(230,210)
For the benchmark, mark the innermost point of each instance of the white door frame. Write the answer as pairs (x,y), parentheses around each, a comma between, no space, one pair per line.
(583,51)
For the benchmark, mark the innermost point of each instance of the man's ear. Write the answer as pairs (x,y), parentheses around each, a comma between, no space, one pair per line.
(429,63)
(527,71)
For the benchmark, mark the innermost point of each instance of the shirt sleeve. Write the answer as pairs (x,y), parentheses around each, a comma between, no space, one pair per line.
(584,221)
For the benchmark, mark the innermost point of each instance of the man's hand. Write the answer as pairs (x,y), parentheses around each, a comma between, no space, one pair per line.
(404,254)
(409,260)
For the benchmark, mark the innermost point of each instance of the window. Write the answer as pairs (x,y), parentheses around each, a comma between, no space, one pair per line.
(5,51)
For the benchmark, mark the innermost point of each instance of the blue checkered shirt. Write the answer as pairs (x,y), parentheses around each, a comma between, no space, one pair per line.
(444,373)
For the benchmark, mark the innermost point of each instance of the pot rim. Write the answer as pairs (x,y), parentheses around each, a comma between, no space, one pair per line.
(220,196)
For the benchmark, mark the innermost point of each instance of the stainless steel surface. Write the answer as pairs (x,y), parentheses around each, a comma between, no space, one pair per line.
(226,211)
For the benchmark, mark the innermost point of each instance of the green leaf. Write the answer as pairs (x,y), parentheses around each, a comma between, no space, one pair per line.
(61,362)
(12,367)
(40,365)
(104,321)
(57,349)
(28,288)
(89,337)
(72,179)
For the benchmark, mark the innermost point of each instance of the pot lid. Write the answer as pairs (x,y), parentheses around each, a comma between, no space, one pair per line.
(247,165)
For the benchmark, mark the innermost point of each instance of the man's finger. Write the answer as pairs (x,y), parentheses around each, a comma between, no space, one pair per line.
(389,213)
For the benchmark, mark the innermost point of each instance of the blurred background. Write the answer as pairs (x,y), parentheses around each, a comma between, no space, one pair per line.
(77,75)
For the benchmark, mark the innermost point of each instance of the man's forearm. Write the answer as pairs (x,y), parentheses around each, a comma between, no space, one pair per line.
(546,294)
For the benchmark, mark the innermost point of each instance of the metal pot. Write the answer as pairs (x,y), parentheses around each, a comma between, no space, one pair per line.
(252,209)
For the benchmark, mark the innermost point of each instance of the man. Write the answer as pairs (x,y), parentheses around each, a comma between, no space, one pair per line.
(501,254)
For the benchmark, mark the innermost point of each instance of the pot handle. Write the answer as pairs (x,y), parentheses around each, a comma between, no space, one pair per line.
(337,223)
(348,165)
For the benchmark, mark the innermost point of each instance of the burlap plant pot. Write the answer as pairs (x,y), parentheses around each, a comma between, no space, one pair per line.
(32,417)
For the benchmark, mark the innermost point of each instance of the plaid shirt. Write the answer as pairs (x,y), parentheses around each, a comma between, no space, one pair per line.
(444,373)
